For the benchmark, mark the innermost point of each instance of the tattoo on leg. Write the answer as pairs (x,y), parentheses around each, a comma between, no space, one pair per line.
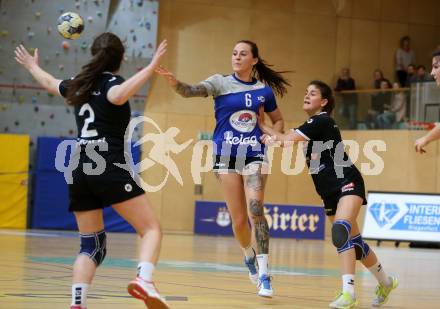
(255,181)
(256,208)
(187,91)
(260,225)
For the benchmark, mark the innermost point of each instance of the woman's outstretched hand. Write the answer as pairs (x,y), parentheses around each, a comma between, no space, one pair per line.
(160,51)
(171,79)
(23,57)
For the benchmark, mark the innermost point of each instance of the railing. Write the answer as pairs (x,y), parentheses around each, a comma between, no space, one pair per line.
(425,102)
(417,107)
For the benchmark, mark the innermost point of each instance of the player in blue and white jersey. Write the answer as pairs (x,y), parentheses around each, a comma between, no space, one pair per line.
(239,158)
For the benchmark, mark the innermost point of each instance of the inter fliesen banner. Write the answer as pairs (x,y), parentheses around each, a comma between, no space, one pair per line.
(402,216)
(285,221)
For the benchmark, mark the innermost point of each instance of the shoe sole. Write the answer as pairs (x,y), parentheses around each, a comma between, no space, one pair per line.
(151,302)
(265,296)
(346,307)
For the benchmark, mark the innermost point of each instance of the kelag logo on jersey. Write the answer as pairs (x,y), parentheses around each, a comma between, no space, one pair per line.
(383,213)
(287,221)
(243,121)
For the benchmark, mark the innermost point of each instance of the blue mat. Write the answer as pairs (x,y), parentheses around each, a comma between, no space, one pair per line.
(50,194)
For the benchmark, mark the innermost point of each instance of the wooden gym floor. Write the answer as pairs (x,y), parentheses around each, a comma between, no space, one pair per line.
(204,272)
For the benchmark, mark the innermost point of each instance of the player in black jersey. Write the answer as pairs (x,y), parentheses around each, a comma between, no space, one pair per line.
(434,134)
(341,187)
(102,113)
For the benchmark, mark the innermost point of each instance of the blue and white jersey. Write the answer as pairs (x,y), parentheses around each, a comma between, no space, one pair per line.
(236,106)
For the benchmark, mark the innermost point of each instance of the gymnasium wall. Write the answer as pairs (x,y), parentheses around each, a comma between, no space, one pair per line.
(310,38)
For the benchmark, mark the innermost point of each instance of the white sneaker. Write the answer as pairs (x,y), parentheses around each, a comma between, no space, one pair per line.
(146,291)
(264,286)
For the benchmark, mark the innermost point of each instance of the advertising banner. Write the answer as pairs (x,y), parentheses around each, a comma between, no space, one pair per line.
(402,216)
(285,221)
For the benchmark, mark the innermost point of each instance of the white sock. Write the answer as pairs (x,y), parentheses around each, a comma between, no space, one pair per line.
(145,271)
(249,252)
(79,294)
(348,284)
(379,273)
(263,261)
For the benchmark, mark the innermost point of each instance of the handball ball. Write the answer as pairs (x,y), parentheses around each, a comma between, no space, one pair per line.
(70,25)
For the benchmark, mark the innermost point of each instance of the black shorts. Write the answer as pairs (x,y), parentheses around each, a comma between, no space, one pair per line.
(228,164)
(355,187)
(114,185)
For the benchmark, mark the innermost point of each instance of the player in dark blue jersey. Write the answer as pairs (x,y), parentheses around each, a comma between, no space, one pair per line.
(102,113)
(341,187)
(239,158)
(434,134)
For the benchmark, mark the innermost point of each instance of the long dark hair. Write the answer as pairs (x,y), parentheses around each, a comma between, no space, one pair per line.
(326,93)
(107,52)
(264,73)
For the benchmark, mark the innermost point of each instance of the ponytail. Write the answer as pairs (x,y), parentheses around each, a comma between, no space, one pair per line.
(265,74)
(107,52)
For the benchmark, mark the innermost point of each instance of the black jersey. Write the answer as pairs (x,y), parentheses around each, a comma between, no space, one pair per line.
(99,119)
(328,163)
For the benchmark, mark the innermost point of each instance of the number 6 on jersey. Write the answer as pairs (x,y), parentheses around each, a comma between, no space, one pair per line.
(248,98)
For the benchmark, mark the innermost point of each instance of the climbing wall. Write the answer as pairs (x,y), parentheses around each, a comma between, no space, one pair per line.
(25,109)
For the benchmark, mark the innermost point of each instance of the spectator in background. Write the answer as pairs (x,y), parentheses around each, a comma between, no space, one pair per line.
(394,112)
(349,101)
(377,77)
(421,75)
(404,57)
(378,103)
(411,72)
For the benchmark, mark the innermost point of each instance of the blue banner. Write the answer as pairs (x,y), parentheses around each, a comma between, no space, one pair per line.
(285,221)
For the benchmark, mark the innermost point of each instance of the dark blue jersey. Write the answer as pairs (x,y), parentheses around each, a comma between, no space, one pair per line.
(328,163)
(99,119)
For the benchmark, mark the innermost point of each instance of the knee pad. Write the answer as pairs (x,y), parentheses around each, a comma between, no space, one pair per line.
(94,246)
(341,230)
(362,248)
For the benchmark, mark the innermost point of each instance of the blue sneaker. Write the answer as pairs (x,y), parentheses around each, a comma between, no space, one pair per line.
(251,264)
(264,286)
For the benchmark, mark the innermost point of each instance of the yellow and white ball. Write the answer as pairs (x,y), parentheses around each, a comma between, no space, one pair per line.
(70,25)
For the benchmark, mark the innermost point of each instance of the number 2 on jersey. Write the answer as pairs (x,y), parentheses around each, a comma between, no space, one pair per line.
(85,132)
(248,99)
